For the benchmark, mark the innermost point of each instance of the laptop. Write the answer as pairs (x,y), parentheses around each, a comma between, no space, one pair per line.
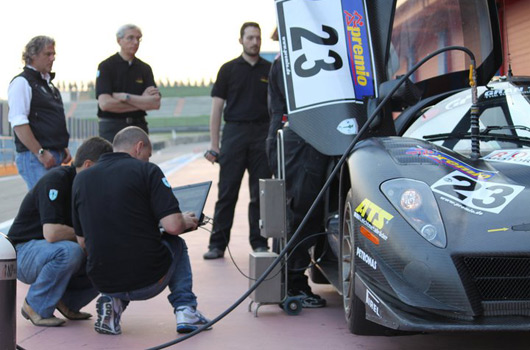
(193,198)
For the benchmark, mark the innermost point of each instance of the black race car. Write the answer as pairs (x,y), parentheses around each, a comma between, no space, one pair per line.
(424,231)
(431,239)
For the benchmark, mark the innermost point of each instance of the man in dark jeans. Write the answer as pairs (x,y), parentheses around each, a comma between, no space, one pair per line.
(117,208)
(242,84)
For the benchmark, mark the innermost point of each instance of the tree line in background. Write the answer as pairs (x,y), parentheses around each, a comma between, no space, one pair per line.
(86,90)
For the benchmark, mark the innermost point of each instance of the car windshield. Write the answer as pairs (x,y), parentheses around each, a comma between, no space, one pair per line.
(504,118)
(423,26)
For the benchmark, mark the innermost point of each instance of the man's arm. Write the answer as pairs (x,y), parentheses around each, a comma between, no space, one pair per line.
(149,100)
(81,241)
(27,137)
(215,125)
(58,232)
(177,223)
(121,102)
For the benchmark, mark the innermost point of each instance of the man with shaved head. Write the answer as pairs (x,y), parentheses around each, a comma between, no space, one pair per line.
(117,209)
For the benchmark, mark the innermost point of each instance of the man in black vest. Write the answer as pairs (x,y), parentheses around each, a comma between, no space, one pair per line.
(36,113)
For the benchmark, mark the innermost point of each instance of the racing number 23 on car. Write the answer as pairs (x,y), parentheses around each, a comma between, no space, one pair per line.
(326,52)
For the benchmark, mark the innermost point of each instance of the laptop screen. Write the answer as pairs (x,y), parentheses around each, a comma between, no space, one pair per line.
(193,197)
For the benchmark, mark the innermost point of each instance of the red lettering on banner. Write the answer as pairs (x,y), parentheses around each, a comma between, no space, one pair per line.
(354,19)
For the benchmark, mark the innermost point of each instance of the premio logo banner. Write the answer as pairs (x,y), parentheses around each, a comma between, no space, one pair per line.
(326,52)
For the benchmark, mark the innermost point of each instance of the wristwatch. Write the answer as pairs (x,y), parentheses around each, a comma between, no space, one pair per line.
(127,97)
(41,151)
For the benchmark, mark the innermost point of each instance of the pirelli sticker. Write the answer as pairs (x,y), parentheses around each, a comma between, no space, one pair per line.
(8,270)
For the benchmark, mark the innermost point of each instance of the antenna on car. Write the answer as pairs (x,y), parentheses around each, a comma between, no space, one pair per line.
(505,29)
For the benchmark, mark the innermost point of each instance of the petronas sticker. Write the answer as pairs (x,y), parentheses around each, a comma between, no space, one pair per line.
(53,194)
(165,182)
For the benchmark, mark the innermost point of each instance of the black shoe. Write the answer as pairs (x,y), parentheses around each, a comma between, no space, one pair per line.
(214,253)
(308,299)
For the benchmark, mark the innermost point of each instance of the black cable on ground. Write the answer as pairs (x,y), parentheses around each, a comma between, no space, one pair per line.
(328,182)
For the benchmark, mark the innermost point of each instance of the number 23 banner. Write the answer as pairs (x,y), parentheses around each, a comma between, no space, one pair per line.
(327,61)
(326,51)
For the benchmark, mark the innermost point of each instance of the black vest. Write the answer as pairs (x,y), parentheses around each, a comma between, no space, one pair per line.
(46,115)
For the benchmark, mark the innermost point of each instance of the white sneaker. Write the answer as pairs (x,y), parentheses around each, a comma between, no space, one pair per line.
(189,319)
(109,313)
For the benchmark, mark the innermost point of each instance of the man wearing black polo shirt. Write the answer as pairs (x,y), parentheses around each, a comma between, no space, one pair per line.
(241,87)
(48,256)
(125,87)
(117,207)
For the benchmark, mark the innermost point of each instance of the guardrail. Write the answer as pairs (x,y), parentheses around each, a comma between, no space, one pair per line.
(80,130)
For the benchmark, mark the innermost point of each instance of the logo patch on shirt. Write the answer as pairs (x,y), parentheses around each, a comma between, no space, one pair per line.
(53,194)
(139,81)
(165,182)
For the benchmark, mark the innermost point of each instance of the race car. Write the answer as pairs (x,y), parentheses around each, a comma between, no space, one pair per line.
(430,239)
(427,222)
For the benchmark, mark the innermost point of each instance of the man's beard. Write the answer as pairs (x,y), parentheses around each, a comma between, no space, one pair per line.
(252,53)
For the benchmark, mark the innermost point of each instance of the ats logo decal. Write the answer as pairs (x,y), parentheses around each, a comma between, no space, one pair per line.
(447,160)
(372,216)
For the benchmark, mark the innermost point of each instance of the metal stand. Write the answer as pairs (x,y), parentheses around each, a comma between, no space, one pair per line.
(273,225)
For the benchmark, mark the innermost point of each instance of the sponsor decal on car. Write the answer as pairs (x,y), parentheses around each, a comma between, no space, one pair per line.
(525,90)
(512,156)
(361,254)
(348,126)
(479,195)
(373,217)
(373,302)
(461,206)
(452,162)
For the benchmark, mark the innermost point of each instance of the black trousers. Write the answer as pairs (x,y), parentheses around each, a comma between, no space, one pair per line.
(305,174)
(108,128)
(242,148)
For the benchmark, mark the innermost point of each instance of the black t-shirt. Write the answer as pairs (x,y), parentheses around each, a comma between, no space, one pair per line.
(116,75)
(116,206)
(244,87)
(49,202)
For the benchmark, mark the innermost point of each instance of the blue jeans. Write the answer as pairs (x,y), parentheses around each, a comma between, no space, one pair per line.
(31,169)
(178,278)
(55,271)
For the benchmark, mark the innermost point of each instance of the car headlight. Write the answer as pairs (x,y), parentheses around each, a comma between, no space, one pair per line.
(415,202)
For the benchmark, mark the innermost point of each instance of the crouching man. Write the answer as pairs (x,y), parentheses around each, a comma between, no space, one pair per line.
(48,255)
(117,207)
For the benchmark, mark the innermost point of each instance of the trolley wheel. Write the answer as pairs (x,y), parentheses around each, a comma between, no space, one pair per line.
(292,306)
